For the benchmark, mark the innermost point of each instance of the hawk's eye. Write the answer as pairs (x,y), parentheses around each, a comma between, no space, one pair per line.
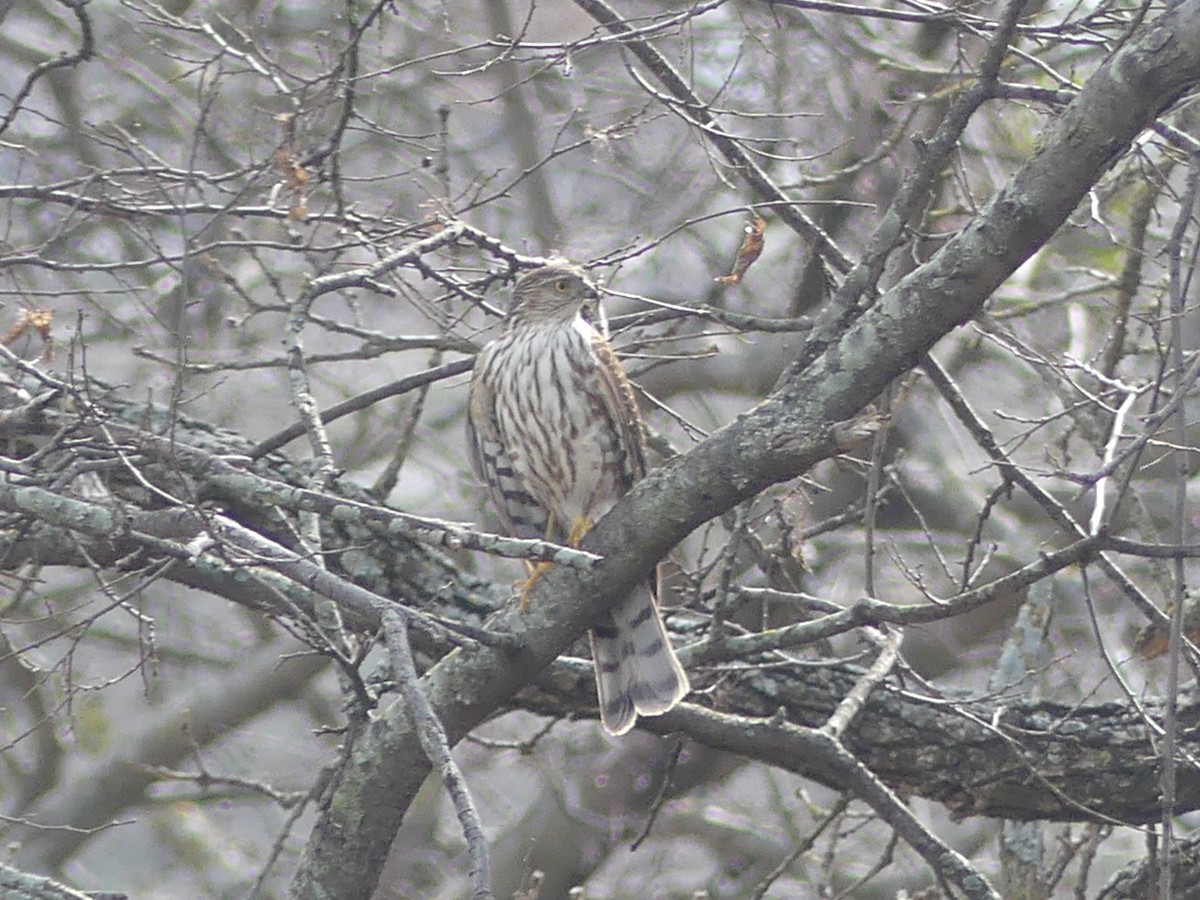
(561,285)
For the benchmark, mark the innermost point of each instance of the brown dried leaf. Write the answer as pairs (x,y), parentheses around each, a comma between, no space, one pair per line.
(752,247)
(295,176)
(35,321)
(1153,640)
(857,431)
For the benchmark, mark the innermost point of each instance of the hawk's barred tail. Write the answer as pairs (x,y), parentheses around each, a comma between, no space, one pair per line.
(637,672)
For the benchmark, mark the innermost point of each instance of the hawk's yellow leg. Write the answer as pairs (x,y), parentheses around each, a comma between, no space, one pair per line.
(579,528)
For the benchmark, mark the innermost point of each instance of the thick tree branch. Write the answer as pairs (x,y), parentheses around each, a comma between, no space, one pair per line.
(986,756)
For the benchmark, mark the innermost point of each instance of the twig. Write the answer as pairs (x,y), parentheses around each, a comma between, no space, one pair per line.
(1110,451)
(362,401)
(386,482)
(870,611)
(87,49)
(656,806)
(205,781)
(314,792)
(18,885)
(853,702)
(945,861)
(433,741)
(760,889)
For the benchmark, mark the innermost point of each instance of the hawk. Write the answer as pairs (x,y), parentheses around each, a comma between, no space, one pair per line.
(555,433)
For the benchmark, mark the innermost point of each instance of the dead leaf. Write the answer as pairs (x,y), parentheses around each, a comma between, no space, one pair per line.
(752,247)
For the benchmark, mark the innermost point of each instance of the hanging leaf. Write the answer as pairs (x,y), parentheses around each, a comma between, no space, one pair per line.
(752,246)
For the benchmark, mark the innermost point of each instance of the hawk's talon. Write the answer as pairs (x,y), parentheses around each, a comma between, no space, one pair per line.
(579,528)
(536,571)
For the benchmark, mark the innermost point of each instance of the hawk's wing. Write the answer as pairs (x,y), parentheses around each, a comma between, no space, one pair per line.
(622,408)
(481,420)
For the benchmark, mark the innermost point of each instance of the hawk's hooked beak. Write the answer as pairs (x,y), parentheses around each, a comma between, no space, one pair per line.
(592,311)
